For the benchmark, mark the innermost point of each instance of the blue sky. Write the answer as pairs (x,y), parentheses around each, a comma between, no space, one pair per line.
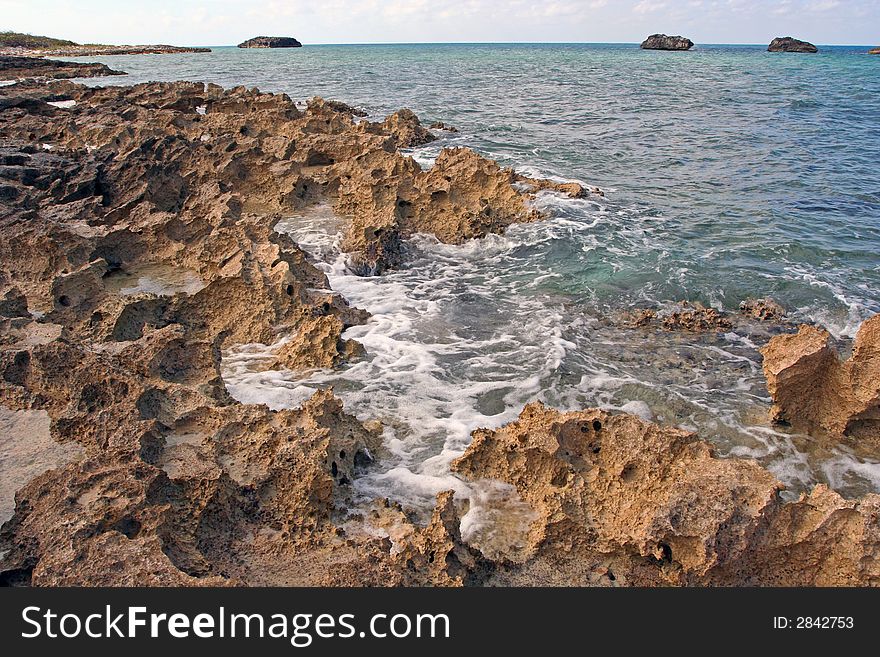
(220,22)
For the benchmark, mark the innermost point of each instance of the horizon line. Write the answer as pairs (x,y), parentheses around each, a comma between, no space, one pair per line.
(494,43)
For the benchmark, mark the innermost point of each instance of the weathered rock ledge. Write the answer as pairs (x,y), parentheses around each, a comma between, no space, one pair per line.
(620,501)
(16,68)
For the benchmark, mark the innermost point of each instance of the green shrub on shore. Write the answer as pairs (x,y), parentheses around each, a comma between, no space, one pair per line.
(18,40)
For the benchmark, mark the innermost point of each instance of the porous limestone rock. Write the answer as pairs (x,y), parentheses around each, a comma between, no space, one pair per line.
(814,390)
(653,505)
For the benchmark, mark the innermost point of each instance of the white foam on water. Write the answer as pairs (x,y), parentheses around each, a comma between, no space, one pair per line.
(462,337)
(845,469)
(498,520)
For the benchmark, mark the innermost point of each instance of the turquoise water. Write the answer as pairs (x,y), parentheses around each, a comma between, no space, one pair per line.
(729,172)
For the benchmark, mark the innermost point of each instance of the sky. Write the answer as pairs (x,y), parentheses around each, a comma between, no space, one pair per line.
(227,22)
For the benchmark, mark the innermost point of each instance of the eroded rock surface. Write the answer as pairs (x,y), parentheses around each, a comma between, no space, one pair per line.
(138,243)
(624,501)
(814,390)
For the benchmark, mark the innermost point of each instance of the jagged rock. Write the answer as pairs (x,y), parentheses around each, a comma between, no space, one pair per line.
(685,316)
(439,125)
(270,42)
(404,125)
(765,309)
(789,44)
(874,51)
(317,104)
(652,505)
(663,42)
(815,391)
(13,67)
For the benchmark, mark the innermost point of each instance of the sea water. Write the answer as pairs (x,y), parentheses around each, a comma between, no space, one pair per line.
(728,172)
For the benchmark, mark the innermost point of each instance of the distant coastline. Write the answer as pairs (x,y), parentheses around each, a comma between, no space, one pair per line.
(28,45)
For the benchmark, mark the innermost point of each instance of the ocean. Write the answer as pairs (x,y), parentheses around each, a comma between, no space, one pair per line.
(728,173)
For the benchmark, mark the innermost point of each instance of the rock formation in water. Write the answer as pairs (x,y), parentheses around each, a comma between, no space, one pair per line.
(663,42)
(789,44)
(764,309)
(621,501)
(17,68)
(815,391)
(684,316)
(874,51)
(270,42)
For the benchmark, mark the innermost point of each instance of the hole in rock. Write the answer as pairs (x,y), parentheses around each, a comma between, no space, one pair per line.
(128,526)
(17,576)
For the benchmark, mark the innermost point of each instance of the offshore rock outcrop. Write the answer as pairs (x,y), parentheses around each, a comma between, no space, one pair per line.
(664,42)
(270,42)
(16,68)
(874,51)
(815,391)
(790,44)
(621,501)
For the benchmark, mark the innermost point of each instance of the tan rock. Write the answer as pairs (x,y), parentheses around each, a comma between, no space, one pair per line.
(815,391)
(653,505)
(765,309)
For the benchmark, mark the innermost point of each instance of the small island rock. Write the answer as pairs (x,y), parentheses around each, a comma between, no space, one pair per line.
(789,44)
(270,42)
(874,51)
(663,42)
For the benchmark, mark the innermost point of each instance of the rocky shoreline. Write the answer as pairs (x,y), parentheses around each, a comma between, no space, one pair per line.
(166,480)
